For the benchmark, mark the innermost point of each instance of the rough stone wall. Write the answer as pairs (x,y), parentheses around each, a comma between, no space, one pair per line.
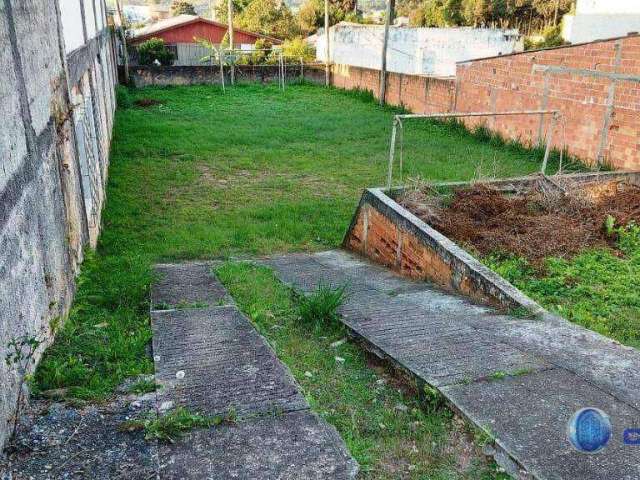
(44,214)
(143,76)
(596,87)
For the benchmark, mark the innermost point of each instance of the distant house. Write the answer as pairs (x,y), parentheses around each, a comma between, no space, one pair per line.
(182,33)
(600,19)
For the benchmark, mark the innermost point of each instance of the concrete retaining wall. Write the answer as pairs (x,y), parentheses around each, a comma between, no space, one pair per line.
(194,75)
(57,104)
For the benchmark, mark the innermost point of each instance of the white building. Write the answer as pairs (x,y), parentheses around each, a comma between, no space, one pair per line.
(423,51)
(600,19)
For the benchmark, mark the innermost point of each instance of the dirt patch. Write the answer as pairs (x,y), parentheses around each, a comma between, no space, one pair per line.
(536,224)
(147,102)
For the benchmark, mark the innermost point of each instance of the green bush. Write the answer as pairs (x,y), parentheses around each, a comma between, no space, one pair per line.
(154,49)
(297,49)
(551,37)
(123,97)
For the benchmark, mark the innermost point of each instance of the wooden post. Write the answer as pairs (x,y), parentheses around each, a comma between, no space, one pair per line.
(230,19)
(383,70)
(327,74)
(123,38)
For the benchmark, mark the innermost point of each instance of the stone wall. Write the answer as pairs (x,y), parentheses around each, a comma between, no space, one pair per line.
(143,76)
(56,104)
(596,87)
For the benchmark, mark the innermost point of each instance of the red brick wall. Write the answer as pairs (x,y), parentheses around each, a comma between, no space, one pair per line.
(600,115)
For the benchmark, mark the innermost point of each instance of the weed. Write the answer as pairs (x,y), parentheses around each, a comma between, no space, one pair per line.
(171,426)
(143,386)
(20,356)
(498,375)
(521,312)
(320,308)
(184,305)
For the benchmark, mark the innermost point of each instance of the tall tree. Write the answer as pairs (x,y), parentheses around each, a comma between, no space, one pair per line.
(182,7)
(269,17)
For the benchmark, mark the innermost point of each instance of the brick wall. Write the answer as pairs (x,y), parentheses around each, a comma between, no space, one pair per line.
(596,86)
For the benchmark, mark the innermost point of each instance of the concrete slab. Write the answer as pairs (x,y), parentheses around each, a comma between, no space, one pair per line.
(212,360)
(521,378)
(286,447)
(528,416)
(187,285)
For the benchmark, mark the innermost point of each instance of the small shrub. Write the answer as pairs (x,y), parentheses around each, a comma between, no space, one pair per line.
(143,386)
(321,307)
(174,424)
(123,97)
(152,50)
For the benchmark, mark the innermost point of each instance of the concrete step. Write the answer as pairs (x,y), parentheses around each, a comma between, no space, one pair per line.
(519,379)
(210,359)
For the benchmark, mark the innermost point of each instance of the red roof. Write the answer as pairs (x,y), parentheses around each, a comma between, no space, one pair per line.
(184,28)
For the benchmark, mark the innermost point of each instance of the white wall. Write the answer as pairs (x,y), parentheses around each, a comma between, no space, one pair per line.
(71,17)
(429,51)
(607,7)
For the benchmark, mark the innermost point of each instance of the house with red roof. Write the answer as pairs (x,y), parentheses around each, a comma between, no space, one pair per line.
(181,34)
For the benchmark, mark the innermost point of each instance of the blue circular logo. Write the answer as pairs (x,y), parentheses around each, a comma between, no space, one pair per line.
(589,430)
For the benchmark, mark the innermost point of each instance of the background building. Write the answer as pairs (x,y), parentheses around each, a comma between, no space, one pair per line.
(424,51)
(600,19)
(182,33)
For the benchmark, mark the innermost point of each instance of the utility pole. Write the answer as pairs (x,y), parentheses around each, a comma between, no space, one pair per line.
(123,38)
(555,14)
(230,15)
(391,6)
(327,74)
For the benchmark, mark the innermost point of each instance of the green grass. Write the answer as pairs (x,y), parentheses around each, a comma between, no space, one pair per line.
(386,429)
(596,289)
(254,171)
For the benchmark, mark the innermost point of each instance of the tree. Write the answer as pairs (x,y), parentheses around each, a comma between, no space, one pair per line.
(152,50)
(182,7)
(297,49)
(269,17)
(311,13)
(221,9)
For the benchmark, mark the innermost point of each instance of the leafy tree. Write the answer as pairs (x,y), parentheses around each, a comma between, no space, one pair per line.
(311,14)
(182,7)
(269,17)
(297,49)
(152,50)
(221,9)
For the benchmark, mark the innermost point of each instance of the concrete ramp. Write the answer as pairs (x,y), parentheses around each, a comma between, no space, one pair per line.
(519,379)
(209,359)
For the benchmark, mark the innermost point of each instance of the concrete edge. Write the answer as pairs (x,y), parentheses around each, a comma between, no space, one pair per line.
(494,285)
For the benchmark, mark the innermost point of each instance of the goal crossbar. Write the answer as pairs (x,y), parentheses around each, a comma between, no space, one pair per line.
(397,122)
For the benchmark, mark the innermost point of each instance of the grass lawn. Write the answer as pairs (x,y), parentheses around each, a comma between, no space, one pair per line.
(596,289)
(257,171)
